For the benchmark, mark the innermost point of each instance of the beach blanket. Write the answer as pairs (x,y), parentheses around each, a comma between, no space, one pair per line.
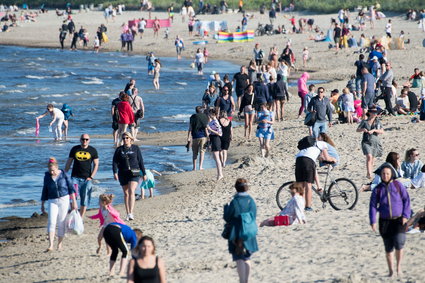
(166,23)
(37,127)
(236,36)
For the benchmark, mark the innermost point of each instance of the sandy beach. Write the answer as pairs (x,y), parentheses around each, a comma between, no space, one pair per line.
(334,246)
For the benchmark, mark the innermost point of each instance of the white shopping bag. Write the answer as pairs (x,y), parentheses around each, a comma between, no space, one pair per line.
(74,223)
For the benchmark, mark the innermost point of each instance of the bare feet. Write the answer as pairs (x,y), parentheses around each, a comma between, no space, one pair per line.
(200,168)
(59,247)
(98,250)
(391,273)
(49,249)
(219,178)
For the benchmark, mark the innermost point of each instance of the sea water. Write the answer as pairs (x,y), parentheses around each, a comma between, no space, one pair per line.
(33,77)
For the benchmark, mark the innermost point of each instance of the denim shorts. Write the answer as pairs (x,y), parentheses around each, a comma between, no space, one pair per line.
(84,190)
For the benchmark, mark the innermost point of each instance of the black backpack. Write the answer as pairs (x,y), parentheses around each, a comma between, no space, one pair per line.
(306,142)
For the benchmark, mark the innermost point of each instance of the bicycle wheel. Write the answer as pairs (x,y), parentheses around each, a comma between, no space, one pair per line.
(343,194)
(282,195)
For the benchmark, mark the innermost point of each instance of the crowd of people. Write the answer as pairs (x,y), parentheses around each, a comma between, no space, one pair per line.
(261,91)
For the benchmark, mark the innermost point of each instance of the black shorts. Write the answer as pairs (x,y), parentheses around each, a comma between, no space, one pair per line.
(239,92)
(367,101)
(225,144)
(190,28)
(215,143)
(305,169)
(126,177)
(392,232)
(114,125)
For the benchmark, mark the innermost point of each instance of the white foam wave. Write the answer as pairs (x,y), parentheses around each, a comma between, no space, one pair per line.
(18,204)
(21,85)
(2,86)
(152,127)
(72,73)
(113,61)
(101,94)
(181,83)
(34,98)
(26,131)
(172,165)
(31,113)
(52,95)
(35,77)
(60,76)
(93,81)
(180,117)
(14,91)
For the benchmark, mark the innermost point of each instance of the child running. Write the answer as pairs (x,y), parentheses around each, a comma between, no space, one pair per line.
(149,184)
(106,215)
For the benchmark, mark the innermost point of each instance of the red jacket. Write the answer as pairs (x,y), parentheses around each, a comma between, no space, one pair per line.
(126,113)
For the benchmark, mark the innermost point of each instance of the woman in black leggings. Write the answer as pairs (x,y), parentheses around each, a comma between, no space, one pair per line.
(117,236)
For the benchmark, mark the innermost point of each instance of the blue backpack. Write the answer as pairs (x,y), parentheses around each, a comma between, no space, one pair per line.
(248,228)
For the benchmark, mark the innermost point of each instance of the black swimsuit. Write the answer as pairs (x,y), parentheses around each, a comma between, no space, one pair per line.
(146,275)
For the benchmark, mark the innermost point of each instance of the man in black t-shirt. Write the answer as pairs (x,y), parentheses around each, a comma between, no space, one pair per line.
(242,81)
(360,64)
(337,35)
(83,156)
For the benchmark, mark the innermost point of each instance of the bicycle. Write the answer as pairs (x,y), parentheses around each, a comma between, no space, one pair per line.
(342,193)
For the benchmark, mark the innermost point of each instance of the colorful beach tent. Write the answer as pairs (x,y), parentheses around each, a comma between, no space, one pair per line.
(165,23)
(236,36)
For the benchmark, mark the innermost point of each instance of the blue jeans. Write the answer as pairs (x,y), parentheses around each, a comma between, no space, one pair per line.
(84,190)
(358,85)
(320,127)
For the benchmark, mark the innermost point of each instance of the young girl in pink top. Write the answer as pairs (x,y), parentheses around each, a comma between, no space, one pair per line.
(106,215)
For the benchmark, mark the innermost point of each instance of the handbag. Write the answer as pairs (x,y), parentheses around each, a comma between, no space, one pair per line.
(134,172)
(310,119)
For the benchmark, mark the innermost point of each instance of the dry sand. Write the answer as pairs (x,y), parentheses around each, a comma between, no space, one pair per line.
(335,246)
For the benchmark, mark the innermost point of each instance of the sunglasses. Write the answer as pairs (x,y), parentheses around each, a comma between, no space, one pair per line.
(417,154)
(85,139)
(125,138)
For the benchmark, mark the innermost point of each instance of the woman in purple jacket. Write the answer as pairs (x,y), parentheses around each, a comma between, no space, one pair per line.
(391,200)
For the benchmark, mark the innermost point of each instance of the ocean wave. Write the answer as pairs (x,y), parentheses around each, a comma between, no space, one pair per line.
(181,83)
(18,202)
(26,131)
(178,117)
(31,113)
(60,76)
(152,127)
(35,77)
(93,81)
(2,86)
(171,166)
(21,85)
(101,94)
(14,91)
(113,61)
(34,98)
(53,95)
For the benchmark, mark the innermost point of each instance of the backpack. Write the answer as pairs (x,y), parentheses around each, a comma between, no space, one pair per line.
(261,54)
(306,142)
(248,228)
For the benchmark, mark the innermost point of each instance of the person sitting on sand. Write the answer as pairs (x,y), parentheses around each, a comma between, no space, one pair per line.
(391,199)
(393,160)
(411,165)
(416,223)
(294,208)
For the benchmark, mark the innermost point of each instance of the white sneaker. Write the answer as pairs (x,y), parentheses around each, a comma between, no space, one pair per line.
(127,218)
(413,231)
(130,216)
